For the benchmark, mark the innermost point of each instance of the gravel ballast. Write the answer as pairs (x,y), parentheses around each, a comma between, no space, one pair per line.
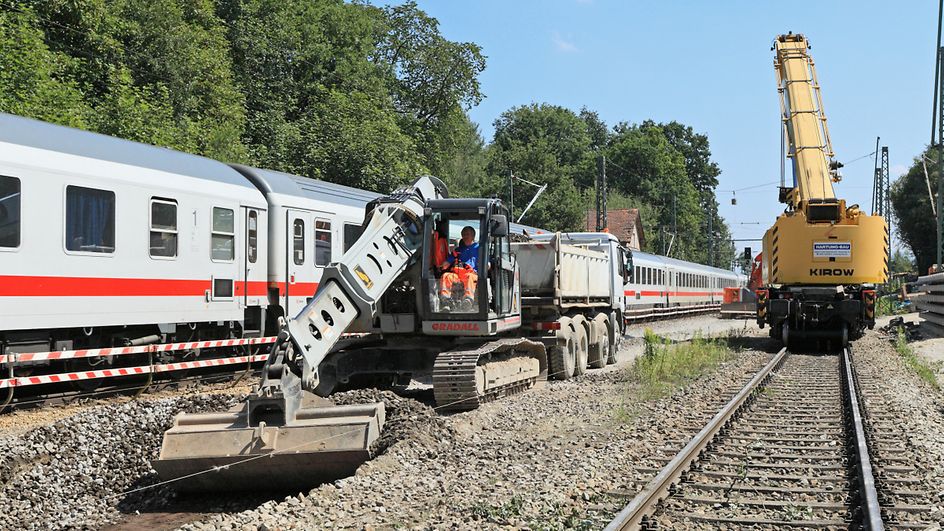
(561,456)
(69,474)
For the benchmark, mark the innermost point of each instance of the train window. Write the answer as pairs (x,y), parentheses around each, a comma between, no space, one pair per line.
(163,228)
(9,212)
(636,275)
(351,233)
(90,220)
(222,288)
(322,242)
(223,235)
(298,241)
(253,233)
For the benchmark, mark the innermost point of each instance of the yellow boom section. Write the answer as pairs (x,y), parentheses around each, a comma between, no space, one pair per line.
(808,137)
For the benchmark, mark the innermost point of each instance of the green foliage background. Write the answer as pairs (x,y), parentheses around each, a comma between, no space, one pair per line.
(346,92)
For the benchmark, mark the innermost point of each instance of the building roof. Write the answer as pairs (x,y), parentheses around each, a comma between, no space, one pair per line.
(36,134)
(621,223)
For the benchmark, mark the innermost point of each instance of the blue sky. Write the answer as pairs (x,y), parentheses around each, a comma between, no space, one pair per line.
(709,65)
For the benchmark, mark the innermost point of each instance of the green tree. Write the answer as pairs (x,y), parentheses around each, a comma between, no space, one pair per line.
(912,207)
(35,81)
(901,263)
(545,144)
(645,165)
(318,106)
(156,71)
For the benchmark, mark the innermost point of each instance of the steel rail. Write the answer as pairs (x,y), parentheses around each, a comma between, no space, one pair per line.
(870,510)
(633,515)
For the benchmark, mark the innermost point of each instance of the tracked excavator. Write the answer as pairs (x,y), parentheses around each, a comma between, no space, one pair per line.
(821,258)
(386,288)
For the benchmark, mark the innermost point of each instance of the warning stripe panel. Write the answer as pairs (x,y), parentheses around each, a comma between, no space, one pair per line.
(143,349)
(25,381)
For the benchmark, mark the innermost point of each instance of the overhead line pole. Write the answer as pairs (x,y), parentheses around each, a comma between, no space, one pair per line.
(937,74)
(940,159)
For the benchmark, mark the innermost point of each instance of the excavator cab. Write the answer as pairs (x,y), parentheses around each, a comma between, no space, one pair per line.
(474,291)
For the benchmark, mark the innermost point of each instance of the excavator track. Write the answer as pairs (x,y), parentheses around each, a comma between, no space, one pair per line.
(466,377)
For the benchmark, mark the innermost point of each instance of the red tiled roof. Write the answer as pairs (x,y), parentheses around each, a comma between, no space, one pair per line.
(621,223)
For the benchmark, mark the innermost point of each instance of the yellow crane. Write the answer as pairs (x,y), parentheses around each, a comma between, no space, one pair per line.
(821,258)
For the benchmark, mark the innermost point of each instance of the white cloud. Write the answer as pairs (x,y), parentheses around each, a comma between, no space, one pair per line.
(562,44)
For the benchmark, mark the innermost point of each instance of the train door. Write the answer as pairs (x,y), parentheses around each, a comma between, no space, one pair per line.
(299,271)
(253,282)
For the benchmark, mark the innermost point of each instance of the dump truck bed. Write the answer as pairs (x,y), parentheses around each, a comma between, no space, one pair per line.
(562,275)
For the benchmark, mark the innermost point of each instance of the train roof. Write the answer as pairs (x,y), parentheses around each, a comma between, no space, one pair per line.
(27,132)
(276,182)
(679,263)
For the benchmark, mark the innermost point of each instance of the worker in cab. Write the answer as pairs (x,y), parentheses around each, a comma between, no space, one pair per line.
(440,248)
(460,266)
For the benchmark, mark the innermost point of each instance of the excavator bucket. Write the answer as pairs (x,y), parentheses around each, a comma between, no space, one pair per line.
(221,452)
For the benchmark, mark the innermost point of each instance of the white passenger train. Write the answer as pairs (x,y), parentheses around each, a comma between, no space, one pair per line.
(661,282)
(110,243)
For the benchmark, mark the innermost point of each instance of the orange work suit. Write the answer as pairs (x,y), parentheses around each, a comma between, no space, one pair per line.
(466,275)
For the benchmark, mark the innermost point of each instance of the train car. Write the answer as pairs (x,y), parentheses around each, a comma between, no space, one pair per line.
(311,223)
(661,282)
(106,242)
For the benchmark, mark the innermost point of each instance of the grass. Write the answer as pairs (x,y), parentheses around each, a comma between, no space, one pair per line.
(918,365)
(889,305)
(666,366)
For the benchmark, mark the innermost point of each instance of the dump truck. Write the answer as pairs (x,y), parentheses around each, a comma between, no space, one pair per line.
(572,296)
(472,343)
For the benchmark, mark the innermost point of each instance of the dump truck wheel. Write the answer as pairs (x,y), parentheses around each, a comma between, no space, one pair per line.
(615,331)
(582,349)
(561,359)
(599,344)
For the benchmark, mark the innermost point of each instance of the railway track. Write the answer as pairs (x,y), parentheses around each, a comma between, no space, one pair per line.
(790,450)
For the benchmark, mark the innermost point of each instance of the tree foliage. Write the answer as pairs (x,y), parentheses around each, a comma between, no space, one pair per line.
(346,92)
(912,208)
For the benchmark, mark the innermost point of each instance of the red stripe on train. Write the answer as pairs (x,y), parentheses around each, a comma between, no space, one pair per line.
(36,286)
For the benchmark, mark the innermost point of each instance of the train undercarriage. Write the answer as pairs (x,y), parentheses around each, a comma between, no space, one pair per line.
(834,314)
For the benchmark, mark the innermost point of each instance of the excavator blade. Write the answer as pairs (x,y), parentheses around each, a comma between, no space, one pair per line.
(221,452)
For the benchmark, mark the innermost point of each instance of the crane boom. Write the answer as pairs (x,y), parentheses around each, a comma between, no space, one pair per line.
(807,134)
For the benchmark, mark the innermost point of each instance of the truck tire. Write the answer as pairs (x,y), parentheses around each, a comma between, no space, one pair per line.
(561,358)
(582,348)
(599,343)
(616,336)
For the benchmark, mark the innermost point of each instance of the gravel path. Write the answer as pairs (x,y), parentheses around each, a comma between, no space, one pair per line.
(66,475)
(890,386)
(542,457)
(567,455)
